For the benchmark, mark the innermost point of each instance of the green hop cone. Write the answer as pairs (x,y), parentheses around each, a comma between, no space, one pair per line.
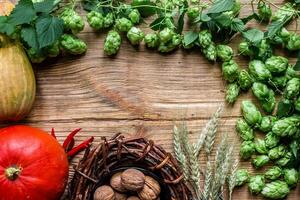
(72,20)
(291,73)
(287,11)
(205,38)
(286,126)
(112,43)
(265,50)
(265,95)
(256,184)
(267,123)
(232,92)
(166,35)
(297,104)
(247,149)
(277,152)
(193,12)
(261,91)
(135,36)
(293,43)
(245,50)
(260,146)
(108,20)
(275,190)
(264,11)
(95,20)
(284,34)
(72,44)
(251,114)
(235,10)
(273,173)
(277,64)
(171,45)
(230,70)
(224,52)
(269,104)
(259,71)
(151,40)
(244,80)
(169,22)
(123,24)
(260,161)
(271,140)
(291,177)
(292,88)
(279,82)
(210,52)
(134,16)
(241,177)
(244,130)
(53,50)
(284,160)
(35,56)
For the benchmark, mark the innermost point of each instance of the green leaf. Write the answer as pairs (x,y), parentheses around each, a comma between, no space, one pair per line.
(45,6)
(180,22)
(29,35)
(158,24)
(250,17)
(284,108)
(202,18)
(49,30)
(223,20)
(23,13)
(6,27)
(297,65)
(221,6)
(254,35)
(144,7)
(190,37)
(238,25)
(276,26)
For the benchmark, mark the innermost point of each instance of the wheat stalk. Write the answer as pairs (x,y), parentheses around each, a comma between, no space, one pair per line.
(231,180)
(208,181)
(212,130)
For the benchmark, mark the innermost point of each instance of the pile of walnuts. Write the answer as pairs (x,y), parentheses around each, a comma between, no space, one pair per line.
(130,184)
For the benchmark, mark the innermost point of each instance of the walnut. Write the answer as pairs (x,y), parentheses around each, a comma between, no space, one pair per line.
(133,179)
(133,198)
(151,189)
(120,196)
(115,183)
(104,193)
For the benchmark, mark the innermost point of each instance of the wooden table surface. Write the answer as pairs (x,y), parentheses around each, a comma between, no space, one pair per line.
(139,88)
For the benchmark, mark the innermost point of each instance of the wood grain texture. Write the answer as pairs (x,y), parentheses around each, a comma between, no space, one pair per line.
(137,88)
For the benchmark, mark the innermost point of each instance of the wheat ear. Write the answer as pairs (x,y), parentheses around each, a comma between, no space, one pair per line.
(179,153)
(231,180)
(212,130)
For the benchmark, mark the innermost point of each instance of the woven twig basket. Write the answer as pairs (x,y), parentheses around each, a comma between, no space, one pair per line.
(119,153)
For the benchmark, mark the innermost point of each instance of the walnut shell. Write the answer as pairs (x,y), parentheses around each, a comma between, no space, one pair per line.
(116,184)
(133,198)
(151,189)
(120,196)
(104,193)
(133,179)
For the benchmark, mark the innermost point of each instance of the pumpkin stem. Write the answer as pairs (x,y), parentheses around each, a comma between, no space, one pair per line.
(12,173)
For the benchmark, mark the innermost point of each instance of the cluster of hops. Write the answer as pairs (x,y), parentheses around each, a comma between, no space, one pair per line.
(69,42)
(277,180)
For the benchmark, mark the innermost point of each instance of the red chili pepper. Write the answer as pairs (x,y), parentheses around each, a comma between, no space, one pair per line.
(69,142)
(80,147)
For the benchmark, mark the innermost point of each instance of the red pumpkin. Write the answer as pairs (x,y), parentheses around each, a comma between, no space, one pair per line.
(33,165)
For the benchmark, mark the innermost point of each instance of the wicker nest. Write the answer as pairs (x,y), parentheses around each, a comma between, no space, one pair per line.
(117,154)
